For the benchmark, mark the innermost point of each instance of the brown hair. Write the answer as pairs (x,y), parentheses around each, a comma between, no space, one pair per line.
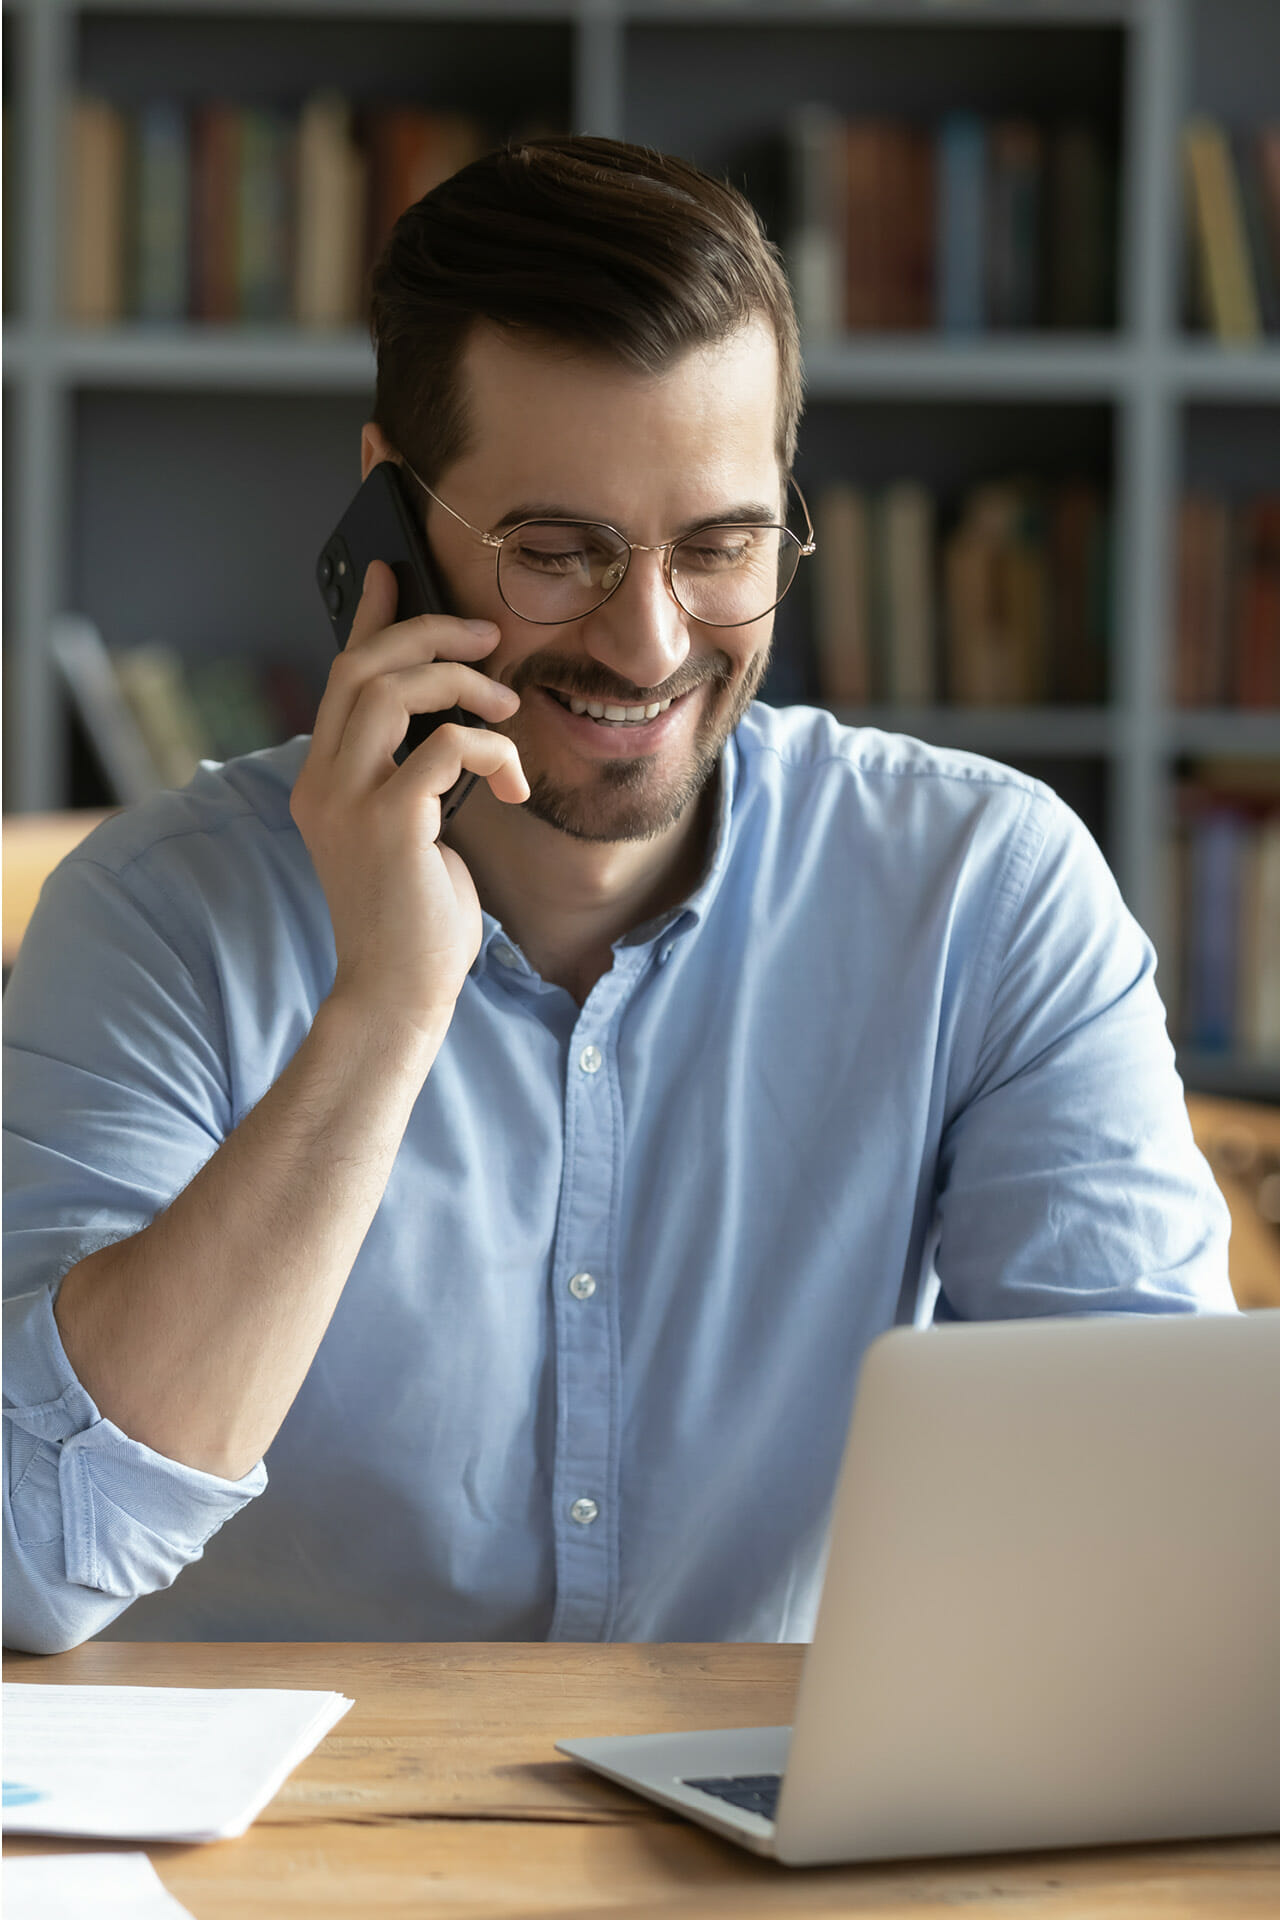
(614,248)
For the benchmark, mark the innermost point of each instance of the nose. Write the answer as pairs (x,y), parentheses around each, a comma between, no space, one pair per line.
(641,632)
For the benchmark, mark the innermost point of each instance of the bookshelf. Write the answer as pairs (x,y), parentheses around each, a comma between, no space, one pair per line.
(175,480)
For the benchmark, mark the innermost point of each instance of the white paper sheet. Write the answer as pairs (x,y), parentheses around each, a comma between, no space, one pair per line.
(153,1763)
(87,1886)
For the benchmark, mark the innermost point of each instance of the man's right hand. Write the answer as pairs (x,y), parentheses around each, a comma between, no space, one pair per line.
(406,919)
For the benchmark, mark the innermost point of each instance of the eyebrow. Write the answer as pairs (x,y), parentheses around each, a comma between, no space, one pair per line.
(750,515)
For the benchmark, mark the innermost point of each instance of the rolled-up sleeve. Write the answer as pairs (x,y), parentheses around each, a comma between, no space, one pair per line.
(1070,1180)
(92,1519)
(115,1094)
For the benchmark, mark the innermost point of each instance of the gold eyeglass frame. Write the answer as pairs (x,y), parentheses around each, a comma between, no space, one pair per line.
(497,541)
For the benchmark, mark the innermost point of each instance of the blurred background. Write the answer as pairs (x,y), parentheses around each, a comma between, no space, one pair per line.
(1036,251)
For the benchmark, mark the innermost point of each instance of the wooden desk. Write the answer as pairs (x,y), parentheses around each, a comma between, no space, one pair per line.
(441,1794)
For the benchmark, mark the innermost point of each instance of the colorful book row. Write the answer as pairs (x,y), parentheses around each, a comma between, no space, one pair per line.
(1227,644)
(150,718)
(1223,986)
(1233,201)
(1006,604)
(967,226)
(227,213)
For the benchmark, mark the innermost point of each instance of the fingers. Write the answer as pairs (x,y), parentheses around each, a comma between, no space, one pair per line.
(376,613)
(376,649)
(377,607)
(385,703)
(440,762)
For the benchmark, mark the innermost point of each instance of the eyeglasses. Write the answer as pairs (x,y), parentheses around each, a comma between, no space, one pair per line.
(553,571)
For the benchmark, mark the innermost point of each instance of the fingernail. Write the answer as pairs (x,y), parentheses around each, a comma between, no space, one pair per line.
(481,626)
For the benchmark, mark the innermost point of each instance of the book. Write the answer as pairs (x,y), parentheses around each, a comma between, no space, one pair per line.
(235,710)
(93,263)
(842,596)
(1205,552)
(1259,985)
(329,217)
(263,216)
(1014,192)
(866,174)
(996,600)
(411,150)
(917,166)
(1080,597)
(161,222)
(907,596)
(1229,302)
(1081,230)
(960,223)
(1264,249)
(815,227)
(215,209)
(1256,639)
(153,683)
(118,742)
(1267,154)
(1214,897)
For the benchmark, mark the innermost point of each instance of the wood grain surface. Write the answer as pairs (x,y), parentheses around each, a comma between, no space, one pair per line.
(441,1794)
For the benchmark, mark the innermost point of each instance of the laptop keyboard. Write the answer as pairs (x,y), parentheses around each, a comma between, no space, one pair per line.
(754,1792)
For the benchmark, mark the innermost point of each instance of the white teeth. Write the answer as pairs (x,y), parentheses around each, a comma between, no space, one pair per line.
(618,716)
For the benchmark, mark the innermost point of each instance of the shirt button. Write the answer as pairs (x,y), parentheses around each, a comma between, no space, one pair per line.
(666,953)
(503,954)
(584,1512)
(591,1060)
(582,1286)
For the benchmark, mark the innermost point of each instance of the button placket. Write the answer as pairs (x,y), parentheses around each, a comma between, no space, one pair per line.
(588,1362)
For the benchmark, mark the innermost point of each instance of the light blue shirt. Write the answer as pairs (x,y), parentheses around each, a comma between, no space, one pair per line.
(591,1373)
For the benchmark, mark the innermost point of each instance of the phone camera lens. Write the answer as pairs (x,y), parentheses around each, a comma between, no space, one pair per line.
(326,570)
(334,599)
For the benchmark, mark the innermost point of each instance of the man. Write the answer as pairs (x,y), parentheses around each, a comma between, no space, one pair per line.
(531,1192)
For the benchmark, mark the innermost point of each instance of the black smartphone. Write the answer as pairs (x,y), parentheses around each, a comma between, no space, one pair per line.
(380,524)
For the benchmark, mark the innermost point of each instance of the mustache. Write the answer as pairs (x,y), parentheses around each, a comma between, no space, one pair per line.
(588,681)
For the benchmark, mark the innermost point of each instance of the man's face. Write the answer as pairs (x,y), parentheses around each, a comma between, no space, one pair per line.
(559,435)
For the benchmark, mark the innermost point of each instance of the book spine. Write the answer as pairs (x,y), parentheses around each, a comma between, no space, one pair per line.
(263,215)
(1263,258)
(329,216)
(960,223)
(163,190)
(842,596)
(1261,1034)
(815,221)
(907,564)
(1212,960)
(864,209)
(96,184)
(1013,227)
(1219,233)
(215,204)
(1080,251)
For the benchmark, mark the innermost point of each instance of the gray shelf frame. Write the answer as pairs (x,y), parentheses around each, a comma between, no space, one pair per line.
(1148,372)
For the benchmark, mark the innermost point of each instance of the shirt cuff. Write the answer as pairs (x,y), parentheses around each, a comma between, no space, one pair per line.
(130,1518)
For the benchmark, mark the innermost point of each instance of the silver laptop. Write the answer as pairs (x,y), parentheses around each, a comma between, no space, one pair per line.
(1051,1611)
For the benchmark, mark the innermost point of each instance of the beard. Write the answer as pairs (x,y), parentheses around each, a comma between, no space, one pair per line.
(628,799)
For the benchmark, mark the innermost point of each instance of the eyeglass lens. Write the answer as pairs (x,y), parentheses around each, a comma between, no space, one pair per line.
(553,570)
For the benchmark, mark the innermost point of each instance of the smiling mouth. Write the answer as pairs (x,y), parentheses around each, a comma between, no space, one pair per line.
(607,712)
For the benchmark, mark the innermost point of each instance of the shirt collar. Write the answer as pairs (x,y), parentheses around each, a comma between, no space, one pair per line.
(682,919)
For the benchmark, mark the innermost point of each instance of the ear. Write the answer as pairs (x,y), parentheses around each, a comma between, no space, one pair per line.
(374,448)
